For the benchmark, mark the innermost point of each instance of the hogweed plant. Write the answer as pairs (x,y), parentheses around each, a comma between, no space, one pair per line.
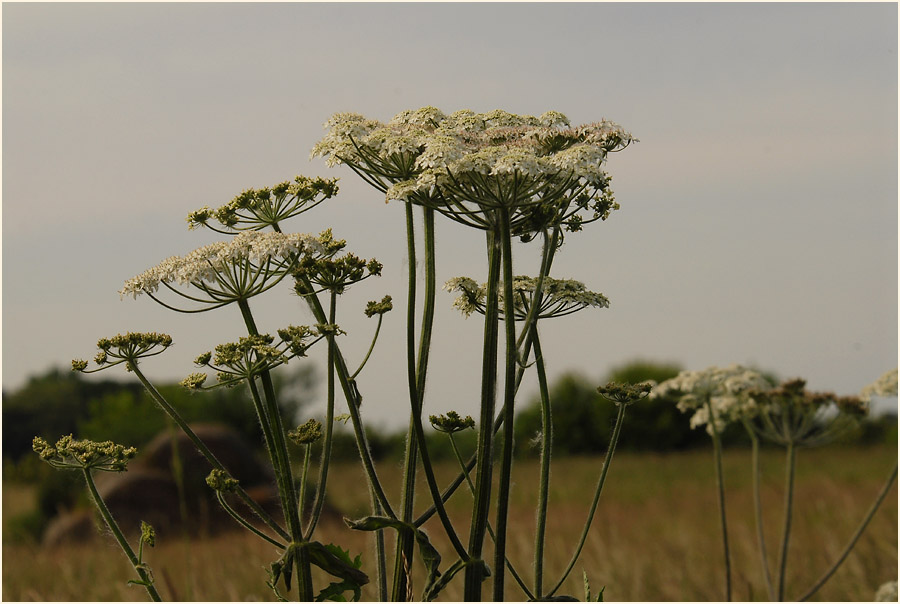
(514,177)
(787,416)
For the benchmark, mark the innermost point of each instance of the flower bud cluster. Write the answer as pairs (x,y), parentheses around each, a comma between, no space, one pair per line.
(127,348)
(219,480)
(306,434)
(790,414)
(69,453)
(624,394)
(252,355)
(256,209)
(379,308)
(559,297)
(333,274)
(451,422)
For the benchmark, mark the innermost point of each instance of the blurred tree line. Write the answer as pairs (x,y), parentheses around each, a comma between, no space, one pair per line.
(62,402)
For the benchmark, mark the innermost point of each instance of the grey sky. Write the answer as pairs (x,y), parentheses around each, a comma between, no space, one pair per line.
(759,210)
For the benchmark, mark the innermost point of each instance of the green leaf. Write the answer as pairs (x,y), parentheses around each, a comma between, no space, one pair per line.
(600,595)
(431,558)
(335,561)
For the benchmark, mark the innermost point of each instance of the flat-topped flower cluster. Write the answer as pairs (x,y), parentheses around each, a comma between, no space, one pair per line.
(724,388)
(268,252)
(467,162)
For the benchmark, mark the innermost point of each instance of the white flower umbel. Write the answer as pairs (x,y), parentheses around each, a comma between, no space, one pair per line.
(467,165)
(224,272)
(886,385)
(724,388)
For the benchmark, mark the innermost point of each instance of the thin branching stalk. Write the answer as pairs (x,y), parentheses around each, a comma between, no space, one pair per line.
(204,450)
(353,398)
(146,580)
(853,539)
(237,517)
(617,429)
(790,467)
(484,465)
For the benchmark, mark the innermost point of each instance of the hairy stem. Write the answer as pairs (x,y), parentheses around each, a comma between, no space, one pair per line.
(120,538)
(546,451)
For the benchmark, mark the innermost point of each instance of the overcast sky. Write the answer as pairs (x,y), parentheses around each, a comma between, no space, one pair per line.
(758,220)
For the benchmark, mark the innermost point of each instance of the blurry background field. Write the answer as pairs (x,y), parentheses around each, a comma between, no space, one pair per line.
(655,537)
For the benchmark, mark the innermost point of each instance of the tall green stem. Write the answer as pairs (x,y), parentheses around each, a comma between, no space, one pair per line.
(790,466)
(854,538)
(405,541)
(329,426)
(508,407)
(546,451)
(483,472)
(617,429)
(120,538)
(757,507)
(720,489)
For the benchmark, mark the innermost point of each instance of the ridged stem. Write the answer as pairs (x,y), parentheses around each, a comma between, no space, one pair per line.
(484,460)
(503,492)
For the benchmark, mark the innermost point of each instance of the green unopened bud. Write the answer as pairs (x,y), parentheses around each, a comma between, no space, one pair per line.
(307,433)
(219,480)
(624,394)
(148,535)
(203,359)
(451,422)
(194,381)
(379,308)
(79,365)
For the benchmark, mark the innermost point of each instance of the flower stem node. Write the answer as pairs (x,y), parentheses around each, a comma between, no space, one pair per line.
(69,453)
(451,422)
(307,433)
(624,394)
(220,481)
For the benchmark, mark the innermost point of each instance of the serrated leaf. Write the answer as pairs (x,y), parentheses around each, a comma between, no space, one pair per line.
(335,561)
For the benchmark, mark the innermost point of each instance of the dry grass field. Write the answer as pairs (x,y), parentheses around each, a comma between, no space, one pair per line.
(655,538)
